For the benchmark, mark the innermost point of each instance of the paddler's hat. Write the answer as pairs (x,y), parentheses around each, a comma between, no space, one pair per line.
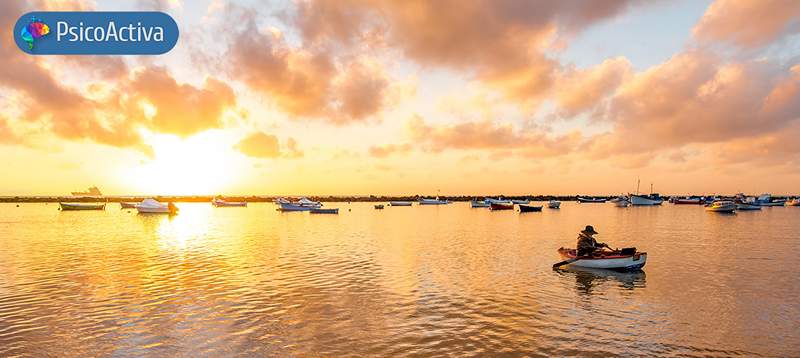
(589,230)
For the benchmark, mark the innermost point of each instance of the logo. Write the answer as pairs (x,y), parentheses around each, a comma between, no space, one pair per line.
(33,31)
(96,33)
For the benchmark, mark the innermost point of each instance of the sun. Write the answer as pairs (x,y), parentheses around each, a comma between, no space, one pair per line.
(203,164)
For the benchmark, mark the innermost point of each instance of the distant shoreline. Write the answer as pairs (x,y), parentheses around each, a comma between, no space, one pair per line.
(264,199)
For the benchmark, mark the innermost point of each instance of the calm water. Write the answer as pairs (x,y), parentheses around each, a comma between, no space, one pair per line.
(431,280)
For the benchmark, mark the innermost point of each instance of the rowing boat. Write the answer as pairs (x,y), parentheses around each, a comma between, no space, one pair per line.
(529,208)
(82,206)
(499,206)
(324,211)
(590,200)
(616,260)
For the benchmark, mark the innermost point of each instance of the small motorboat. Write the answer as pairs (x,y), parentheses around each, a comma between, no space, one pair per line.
(553,204)
(520,201)
(82,206)
(324,211)
(529,208)
(400,203)
(744,206)
(437,201)
(588,200)
(722,206)
(688,201)
(479,204)
(301,205)
(219,202)
(497,201)
(627,259)
(793,202)
(767,200)
(379,207)
(500,206)
(152,206)
(124,205)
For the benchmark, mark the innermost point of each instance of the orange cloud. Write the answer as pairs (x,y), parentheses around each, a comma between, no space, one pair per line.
(749,23)
(490,135)
(501,42)
(181,109)
(581,90)
(263,145)
(696,98)
(386,150)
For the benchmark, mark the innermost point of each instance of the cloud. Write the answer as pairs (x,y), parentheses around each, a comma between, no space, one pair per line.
(490,135)
(501,43)
(7,136)
(695,97)
(263,145)
(383,151)
(308,83)
(180,109)
(749,23)
(579,90)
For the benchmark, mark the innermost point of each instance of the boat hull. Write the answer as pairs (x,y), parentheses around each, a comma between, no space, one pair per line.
(637,200)
(294,207)
(124,205)
(325,211)
(495,206)
(520,202)
(479,204)
(433,202)
(81,206)
(529,208)
(611,262)
(554,205)
(228,204)
(747,207)
(400,203)
(590,200)
(687,202)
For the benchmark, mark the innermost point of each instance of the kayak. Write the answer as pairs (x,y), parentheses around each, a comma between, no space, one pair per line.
(611,261)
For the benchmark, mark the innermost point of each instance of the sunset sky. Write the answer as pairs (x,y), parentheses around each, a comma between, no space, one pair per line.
(411,97)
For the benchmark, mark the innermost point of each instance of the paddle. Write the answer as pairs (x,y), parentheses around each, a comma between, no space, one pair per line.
(565,262)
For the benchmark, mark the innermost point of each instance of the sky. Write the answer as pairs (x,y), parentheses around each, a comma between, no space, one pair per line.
(458,97)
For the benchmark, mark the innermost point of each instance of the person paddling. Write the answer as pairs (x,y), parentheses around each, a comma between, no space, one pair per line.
(587,245)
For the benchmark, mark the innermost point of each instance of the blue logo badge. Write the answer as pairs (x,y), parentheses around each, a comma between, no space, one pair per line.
(96,33)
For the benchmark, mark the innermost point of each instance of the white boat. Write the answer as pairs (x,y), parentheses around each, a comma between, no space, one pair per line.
(400,203)
(520,202)
(479,204)
(437,201)
(722,206)
(588,200)
(301,205)
(219,202)
(81,206)
(622,203)
(767,200)
(497,201)
(553,204)
(743,206)
(793,202)
(151,206)
(645,200)
(620,261)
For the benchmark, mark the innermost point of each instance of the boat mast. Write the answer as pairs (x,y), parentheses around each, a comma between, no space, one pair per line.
(638,181)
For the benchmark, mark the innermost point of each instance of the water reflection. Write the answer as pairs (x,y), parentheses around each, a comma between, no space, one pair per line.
(586,279)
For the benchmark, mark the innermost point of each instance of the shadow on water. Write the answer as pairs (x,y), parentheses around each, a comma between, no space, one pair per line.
(586,279)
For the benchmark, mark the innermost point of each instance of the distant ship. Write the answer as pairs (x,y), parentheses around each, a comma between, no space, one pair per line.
(93,191)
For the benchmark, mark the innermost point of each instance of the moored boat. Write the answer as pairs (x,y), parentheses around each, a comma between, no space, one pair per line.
(553,204)
(747,206)
(793,202)
(379,206)
(124,205)
(688,201)
(324,211)
(219,202)
(497,201)
(520,201)
(400,203)
(616,260)
(529,208)
(300,205)
(151,206)
(478,204)
(501,206)
(585,199)
(768,200)
(82,206)
(437,201)
(722,206)
(645,200)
